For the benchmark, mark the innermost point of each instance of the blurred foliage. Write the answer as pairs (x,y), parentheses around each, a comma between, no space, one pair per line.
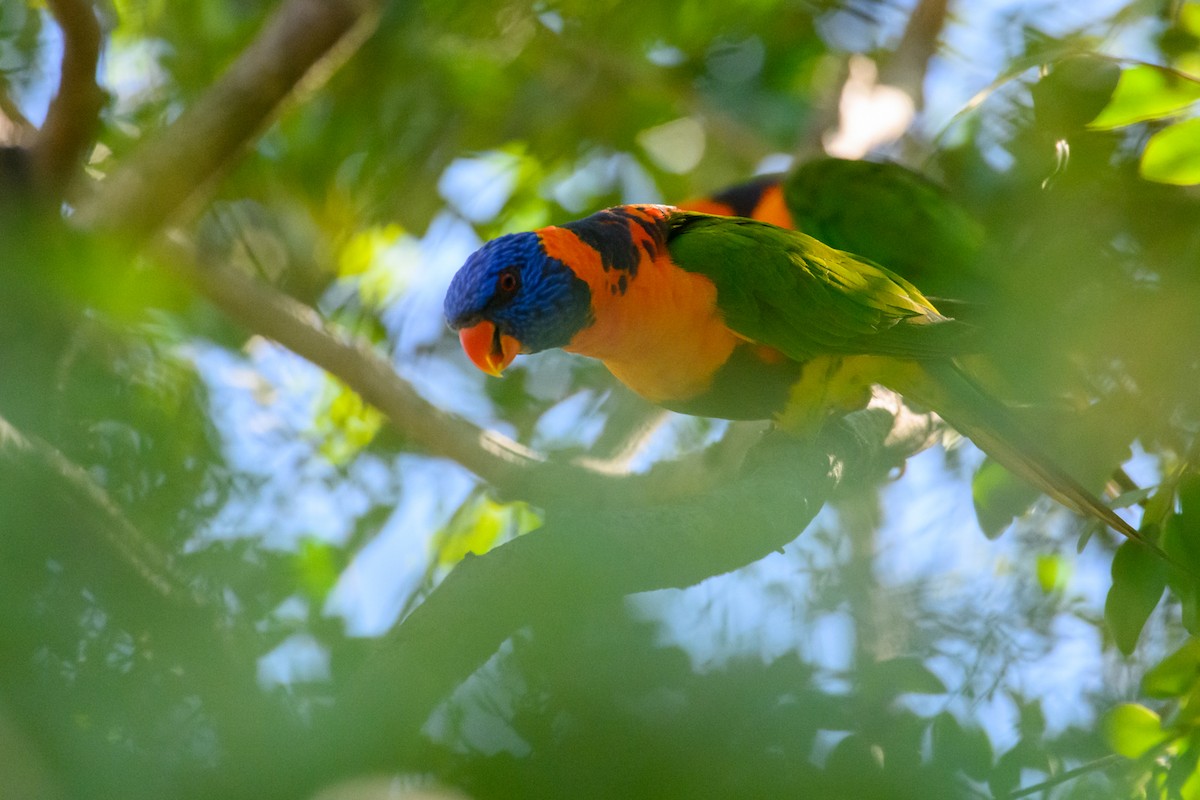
(207,541)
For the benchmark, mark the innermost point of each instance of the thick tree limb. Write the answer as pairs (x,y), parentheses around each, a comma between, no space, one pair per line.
(581,557)
(73,116)
(158,180)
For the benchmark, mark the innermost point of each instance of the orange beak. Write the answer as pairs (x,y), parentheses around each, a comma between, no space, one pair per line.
(487,348)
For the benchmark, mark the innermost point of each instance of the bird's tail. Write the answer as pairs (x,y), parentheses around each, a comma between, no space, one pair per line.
(944,387)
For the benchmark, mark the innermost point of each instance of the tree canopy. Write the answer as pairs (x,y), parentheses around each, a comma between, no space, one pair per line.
(268,534)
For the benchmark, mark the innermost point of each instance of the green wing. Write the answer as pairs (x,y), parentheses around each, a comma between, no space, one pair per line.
(791,292)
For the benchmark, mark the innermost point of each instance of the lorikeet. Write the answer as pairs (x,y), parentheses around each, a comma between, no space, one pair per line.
(736,318)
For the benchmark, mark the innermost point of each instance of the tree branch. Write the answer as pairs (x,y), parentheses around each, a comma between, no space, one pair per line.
(905,68)
(508,466)
(15,129)
(158,181)
(875,102)
(73,116)
(582,556)
(135,549)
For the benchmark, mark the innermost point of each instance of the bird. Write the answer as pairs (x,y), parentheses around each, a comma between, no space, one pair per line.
(736,318)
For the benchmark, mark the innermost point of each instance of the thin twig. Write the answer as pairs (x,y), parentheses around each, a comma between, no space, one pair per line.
(145,558)
(1092,766)
(73,116)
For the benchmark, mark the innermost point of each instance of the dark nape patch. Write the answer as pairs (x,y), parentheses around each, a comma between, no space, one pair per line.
(609,233)
(744,198)
(652,227)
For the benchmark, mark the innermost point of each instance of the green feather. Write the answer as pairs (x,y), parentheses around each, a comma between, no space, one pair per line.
(788,290)
(890,214)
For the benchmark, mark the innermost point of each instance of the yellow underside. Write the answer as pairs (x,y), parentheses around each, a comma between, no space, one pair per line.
(832,385)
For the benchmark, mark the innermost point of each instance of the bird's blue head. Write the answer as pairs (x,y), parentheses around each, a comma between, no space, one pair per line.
(510,297)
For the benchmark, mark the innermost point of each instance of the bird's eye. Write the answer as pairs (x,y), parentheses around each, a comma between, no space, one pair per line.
(508,282)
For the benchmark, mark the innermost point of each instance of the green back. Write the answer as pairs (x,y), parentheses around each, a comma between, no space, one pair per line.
(789,291)
(889,214)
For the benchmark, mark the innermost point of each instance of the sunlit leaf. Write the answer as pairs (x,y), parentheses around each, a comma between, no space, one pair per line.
(347,425)
(1176,674)
(1139,578)
(1173,154)
(1181,779)
(380,260)
(1133,730)
(1190,790)
(1147,92)
(479,525)
(317,566)
(1053,572)
(364,247)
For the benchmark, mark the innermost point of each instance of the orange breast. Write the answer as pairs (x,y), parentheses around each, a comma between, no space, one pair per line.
(657,327)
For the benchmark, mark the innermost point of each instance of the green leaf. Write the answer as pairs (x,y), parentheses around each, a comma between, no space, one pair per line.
(1073,91)
(1147,92)
(1175,675)
(968,749)
(856,756)
(1131,498)
(1053,572)
(999,497)
(1181,541)
(1183,779)
(1006,776)
(1173,154)
(1189,495)
(906,675)
(345,423)
(317,565)
(1139,578)
(1133,730)
(1181,534)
